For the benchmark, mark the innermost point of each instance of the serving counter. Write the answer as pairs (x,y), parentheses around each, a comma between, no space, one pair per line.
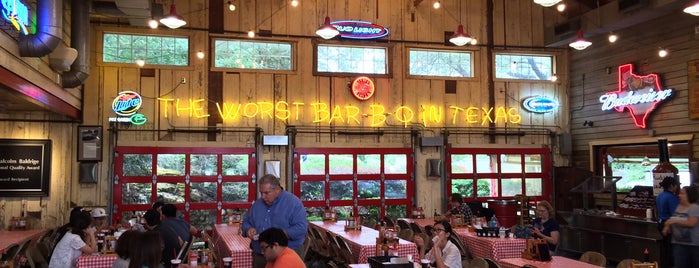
(617,237)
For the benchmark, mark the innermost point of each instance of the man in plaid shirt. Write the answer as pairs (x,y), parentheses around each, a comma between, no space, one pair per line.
(459,207)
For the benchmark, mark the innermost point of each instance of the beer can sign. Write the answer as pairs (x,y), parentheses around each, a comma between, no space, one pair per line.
(539,104)
(127,103)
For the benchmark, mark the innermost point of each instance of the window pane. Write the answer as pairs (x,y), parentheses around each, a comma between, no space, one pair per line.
(395,164)
(171,164)
(511,187)
(370,215)
(352,59)
(369,189)
(343,212)
(487,188)
(128,215)
(461,163)
(138,165)
(312,190)
(170,192)
(395,212)
(511,163)
(463,187)
(486,163)
(160,50)
(234,191)
(532,163)
(235,164)
(341,190)
(368,164)
(341,163)
(203,218)
(203,164)
(534,187)
(315,213)
(312,164)
(136,193)
(203,192)
(260,55)
(396,189)
(429,62)
(527,67)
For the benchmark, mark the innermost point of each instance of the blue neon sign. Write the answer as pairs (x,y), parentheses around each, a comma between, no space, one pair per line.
(17,13)
(354,29)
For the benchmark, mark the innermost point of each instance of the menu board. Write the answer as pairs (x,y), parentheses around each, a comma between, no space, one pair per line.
(25,167)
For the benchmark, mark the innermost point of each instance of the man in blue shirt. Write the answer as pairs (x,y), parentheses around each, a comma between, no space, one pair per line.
(666,203)
(275,208)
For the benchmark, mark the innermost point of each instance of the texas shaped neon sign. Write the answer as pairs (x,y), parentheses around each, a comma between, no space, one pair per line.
(636,93)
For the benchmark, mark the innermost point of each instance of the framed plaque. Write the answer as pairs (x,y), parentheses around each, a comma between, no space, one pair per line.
(89,143)
(25,167)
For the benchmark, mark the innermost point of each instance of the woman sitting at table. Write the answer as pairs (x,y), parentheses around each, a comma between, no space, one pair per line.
(147,250)
(424,244)
(444,254)
(122,249)
(545,227)
(78,240)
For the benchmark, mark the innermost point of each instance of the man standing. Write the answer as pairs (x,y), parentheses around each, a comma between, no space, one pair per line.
(273,242)
(275,208)
(666,204)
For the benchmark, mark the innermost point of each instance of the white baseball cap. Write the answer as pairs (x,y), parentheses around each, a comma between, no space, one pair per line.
(98,212)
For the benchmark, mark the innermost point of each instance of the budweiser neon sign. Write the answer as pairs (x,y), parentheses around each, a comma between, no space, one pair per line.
(639,94)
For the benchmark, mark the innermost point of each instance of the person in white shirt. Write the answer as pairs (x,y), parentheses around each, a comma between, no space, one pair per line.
(444,254)
(77,241)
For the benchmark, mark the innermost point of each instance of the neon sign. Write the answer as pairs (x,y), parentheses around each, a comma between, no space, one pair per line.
(16,13)
(538,104)
(353,29)
(375,115)
(126,105)
(637,94)
(363,88)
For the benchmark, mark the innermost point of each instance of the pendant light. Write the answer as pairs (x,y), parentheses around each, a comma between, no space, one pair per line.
(692,8)
(327,31)
(173,21)
(460,38)
(580,42)
(547,3)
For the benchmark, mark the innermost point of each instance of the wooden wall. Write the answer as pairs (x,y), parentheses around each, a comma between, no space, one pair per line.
(517,26)
(590,78)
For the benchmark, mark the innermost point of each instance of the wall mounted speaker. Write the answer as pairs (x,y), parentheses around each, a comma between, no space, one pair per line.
(434,168)
(88,172)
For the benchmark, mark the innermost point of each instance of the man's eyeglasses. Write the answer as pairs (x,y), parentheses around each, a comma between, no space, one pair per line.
(437,230)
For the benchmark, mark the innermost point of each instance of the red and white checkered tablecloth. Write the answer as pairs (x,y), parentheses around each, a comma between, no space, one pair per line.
(100,261)
(231,243)
(363,242)
(17,237)
(491,247)
(556,262)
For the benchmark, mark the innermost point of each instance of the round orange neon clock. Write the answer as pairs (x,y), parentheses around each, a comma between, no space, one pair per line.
(363,88)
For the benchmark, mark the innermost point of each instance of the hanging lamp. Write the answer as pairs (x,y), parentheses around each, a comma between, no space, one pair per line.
(173,21)
(327,31)
(460,38)
(547,3)
(692,8)
(580,42)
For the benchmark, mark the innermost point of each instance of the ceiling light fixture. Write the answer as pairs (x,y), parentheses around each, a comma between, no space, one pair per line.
(580,42)
(231,6)
(692,8)
(140,62)
(547,3)
(173,21)
(436,4)
(612,37)
(153,24)
(561,7)
(474,41)
(294,3)
(460,38)
(554,78)
(327,30)
(251,34)
(662,52)
(200,54)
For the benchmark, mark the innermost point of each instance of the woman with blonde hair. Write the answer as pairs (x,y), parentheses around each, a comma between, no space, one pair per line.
(545,226)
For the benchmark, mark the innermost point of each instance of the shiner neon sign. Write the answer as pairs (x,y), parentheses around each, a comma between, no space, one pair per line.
(637,94)
(353,29)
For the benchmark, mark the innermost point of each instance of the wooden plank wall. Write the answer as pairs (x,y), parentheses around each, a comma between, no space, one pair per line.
(517,27)
(637,45)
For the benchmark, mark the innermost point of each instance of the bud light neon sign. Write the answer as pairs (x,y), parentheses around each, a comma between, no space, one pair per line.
(353,29)
(539,104)
(126,105)
(17,13)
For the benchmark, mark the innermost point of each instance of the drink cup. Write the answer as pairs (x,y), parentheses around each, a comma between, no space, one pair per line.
(227,262)
(175,262)
(425,263)
(112,244)
(100,245)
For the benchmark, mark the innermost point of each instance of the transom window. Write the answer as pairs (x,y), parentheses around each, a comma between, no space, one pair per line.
(351,59)
(153,49)
(498,173)
(440,63)
(258,55)
(523,67)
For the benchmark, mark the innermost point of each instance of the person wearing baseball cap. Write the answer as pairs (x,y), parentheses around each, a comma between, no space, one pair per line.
(99,219)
